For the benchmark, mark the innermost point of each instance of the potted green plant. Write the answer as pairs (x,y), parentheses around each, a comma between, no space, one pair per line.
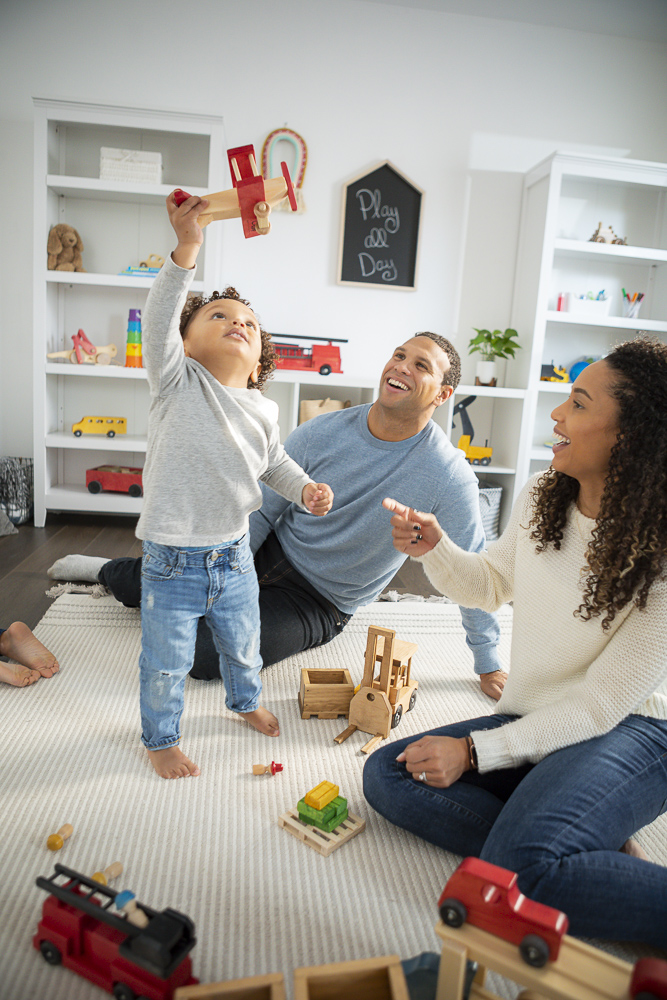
(492,344)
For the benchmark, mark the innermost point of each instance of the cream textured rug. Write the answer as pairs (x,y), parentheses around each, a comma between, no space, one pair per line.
(211,846)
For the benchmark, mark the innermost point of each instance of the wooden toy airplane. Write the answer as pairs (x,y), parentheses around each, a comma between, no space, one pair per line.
(251,198)
(86,353)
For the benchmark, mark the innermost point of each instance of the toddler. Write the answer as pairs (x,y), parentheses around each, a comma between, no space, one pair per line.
(211,436)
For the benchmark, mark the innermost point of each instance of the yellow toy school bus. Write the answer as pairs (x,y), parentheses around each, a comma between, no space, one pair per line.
(100,425)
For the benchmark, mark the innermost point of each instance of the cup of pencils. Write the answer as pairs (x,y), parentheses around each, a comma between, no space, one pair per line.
(631,304)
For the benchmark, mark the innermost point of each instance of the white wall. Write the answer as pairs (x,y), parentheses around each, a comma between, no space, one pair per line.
(435,93)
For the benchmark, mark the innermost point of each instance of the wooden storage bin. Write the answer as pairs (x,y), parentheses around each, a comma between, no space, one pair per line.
(269,987)
(325,693)
(367,979)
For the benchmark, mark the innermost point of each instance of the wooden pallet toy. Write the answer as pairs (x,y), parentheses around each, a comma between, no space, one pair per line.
(321,819)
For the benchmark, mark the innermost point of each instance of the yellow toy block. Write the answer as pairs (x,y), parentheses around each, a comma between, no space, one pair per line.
(321,795)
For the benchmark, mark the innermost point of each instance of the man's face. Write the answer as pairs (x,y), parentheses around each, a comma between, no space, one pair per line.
(411,381)
(223,334)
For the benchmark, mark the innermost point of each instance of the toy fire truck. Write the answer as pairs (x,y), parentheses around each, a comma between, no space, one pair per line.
(135,952)
(323,358)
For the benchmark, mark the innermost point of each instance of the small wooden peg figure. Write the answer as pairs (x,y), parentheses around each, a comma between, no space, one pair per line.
(113,871)
(271,768)
(56,840)
(126,902)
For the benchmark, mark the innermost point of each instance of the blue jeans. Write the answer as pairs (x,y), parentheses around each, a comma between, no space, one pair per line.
(178,587)
(558,824)
(294,616)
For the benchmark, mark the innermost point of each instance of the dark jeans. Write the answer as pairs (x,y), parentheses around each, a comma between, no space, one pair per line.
(293,615)
(558,824)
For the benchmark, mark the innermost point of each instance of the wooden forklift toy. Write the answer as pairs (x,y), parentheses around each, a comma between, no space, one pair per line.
(251,199)
(378,705)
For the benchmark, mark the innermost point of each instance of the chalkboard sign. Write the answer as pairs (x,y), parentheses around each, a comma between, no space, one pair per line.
(380,229)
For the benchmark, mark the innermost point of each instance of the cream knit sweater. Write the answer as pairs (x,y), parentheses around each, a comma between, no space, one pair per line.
(569,681)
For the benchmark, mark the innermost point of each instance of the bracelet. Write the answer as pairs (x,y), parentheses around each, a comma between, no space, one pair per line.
(472,754)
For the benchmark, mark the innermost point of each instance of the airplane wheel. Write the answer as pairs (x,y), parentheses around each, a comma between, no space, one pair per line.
(453,912)
(413,699)
(534,950)
(398,715)
(50,953)
(94,487)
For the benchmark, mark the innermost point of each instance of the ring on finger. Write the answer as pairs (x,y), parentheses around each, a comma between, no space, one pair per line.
(421,776)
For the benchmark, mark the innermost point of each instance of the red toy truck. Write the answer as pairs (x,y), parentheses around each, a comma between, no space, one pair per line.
(118,478)
(649,979)
(488,897)
(323,358)
(79,930)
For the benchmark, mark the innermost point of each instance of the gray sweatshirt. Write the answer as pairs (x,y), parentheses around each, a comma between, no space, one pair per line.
(208,443)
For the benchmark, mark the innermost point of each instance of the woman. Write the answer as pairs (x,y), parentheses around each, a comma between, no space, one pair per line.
(555,784)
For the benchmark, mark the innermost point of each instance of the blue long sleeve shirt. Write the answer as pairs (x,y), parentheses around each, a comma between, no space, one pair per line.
(349,556)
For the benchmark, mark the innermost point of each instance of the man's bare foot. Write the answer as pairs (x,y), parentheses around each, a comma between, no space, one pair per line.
(18,643)
(632,848)
(14,673)
(172,763)
(263,720)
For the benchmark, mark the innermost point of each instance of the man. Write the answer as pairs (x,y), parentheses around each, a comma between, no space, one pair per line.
(314,575)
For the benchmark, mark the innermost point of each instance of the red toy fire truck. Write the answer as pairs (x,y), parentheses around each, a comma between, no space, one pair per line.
(79,930)
(488,897)
(323,358)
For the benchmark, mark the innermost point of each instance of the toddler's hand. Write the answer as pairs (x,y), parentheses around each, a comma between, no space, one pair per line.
(318,498)
(183,218)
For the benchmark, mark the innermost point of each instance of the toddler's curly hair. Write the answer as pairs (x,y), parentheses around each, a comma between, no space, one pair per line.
(268,355)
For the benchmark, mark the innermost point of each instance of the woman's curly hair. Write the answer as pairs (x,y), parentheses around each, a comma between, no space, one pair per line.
(267,356)
(629,543)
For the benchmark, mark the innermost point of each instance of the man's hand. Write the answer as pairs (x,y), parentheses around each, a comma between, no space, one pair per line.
(436,760)
(414,532)
(318,498)
(183,219)
(493,683)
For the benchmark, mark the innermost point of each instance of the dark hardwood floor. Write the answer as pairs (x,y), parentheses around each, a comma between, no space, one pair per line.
(25,558)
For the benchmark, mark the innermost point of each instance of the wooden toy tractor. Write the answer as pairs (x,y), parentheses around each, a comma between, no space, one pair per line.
(378,705)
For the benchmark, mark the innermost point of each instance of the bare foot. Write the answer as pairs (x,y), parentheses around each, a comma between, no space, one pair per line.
(632,848)
(18,643)
(263,720)
(172,763)
(14,673)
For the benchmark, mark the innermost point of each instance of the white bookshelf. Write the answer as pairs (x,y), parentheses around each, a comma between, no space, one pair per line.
(120,224)
(565,197)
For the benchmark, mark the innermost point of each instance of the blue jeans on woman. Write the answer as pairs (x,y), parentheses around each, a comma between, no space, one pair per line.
(178,587)
(558,824)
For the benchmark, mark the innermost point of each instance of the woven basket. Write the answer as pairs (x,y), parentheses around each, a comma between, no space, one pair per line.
(489,505)
(16,489)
